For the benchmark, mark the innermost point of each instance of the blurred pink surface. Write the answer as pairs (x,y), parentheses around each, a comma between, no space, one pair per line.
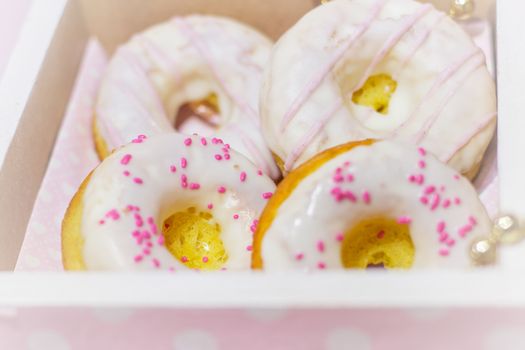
(12,15)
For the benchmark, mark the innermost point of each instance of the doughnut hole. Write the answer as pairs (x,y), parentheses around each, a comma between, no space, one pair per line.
(376,242)
(205,112)
(195,239)
(376,93)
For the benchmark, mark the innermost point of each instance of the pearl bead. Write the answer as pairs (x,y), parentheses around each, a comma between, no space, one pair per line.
(483,252)
(506,230)
(461,9)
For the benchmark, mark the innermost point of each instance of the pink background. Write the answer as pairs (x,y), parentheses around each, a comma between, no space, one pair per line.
(97,328)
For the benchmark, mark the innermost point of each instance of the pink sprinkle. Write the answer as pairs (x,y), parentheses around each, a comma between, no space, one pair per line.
(150,220)
(138,258)
(338,170)
(321,265)
(381,234)
(243,176)
(227,145)
(404,220)
(155,262)
(443,252)
(443,236)
(267,195)
(347,164)
(366,197)
(235,216)
(126,173)
(113,214)
(424,200)
(422,164)
(142,137)
(125,160)
(412,178)
(299,256)
(138,181)
(173,168)
(161,240)
(422,151)
(194,186)
(183,163)
(464,230)
(227,156)
(214,141)
(187,142)
(441,226)
(446,203)
(146,251)
(430,189)
(457,200)
(221,189)
(350,196)
(420,179)
(210,206)
(149,244)
(136,141)
(349,177)
(259,172)
(218,157)
(101,222)
(204,259)
(457,177)
(136,233)
(249,248)
(203,141)
(320,246)
(339,237)
(435,202)
(184,259)
(338,178)
(472,220)
(450,242)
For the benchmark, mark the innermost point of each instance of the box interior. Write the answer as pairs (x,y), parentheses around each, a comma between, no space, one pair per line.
(113,23)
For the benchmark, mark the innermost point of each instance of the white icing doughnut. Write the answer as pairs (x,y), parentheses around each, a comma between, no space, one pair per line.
(440,208)
(186,59)
(132,192)
(445,98)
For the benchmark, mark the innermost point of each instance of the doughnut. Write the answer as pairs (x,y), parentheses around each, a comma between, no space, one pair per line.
(365,204)
(167,202)
(378,69)
(207,66)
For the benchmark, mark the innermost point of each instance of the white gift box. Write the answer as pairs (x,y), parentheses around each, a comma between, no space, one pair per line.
(34,94)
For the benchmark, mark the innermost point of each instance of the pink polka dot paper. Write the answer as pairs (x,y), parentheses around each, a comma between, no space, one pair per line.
(73,158)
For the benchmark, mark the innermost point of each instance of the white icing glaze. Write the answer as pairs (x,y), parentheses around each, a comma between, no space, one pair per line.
(444,90)
(110,244)
(385,182)
(182,60)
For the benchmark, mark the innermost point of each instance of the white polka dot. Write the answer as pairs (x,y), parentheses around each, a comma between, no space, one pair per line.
(266,315)
(38,228)
(110,315)
(45,196)
(54,254)
(194,340)
(427,314)
(46,340)
(347,338)
(32,261)
(68,190)
(508,338)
